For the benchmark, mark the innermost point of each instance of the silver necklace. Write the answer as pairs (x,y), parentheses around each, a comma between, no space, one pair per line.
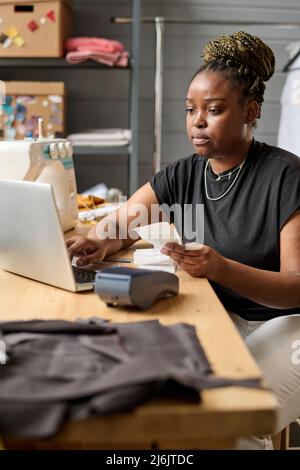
(226,175)
(219,177)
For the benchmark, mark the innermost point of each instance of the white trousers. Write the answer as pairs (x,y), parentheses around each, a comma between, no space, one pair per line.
(275,345)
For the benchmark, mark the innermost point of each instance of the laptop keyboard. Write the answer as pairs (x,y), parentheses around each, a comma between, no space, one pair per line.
(84,276)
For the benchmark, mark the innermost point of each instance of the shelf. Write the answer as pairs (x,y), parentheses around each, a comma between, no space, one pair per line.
(56,63)
(94,150)
(132,149)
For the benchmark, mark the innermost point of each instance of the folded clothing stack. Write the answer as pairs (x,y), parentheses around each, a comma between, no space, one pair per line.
(105,51)
(101,137)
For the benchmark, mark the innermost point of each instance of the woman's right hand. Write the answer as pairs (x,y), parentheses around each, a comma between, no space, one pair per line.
(88,250)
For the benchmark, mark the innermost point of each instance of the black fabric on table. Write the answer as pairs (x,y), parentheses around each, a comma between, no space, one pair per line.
(59,371)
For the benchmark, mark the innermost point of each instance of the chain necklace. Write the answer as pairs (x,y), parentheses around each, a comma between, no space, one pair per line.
(239,167)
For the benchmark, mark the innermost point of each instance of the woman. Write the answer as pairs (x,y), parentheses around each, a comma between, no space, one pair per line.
(251,197)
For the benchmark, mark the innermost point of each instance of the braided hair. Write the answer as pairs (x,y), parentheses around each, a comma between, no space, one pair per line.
(245,60)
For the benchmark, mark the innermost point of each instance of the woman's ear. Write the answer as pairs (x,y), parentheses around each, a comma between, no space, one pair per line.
(252,112)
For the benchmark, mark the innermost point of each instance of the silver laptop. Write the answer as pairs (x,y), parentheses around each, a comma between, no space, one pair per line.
(32,242)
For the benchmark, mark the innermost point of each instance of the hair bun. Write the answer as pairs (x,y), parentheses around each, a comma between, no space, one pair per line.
(243,49)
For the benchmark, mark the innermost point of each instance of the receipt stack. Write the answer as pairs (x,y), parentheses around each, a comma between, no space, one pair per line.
(151,258)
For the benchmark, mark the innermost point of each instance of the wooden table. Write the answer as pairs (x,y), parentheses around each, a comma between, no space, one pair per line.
(224,413)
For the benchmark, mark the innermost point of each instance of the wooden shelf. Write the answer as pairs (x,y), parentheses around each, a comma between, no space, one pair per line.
(132,149)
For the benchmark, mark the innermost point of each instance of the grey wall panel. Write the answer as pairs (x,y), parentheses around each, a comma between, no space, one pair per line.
(224,10)
(106,113)
(185,52)
(113,170)
(93,169)
(93,19)
(145,172)
(221,3)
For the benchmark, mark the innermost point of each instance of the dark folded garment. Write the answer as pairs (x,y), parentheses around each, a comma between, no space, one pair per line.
(59,370)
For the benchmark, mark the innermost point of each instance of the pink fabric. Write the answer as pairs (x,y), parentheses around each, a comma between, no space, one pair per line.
(119,59)
(98,44)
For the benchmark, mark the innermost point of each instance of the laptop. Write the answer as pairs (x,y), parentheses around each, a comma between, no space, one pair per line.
(32,242)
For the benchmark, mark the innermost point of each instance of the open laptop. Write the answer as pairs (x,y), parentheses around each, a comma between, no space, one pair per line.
(32,242)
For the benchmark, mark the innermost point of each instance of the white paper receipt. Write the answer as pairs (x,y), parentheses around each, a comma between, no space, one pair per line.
(158,234)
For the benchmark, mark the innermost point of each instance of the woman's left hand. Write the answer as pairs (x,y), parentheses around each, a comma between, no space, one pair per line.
(200,262)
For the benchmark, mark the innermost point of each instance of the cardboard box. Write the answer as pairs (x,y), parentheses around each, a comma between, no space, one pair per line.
(36,28)
(25,102)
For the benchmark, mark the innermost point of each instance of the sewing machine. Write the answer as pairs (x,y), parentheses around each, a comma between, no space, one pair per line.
(46,160)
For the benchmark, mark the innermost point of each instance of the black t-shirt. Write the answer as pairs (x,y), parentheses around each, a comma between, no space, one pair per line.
(245,224)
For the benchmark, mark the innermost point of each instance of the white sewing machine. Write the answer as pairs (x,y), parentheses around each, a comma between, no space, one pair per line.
(46,160)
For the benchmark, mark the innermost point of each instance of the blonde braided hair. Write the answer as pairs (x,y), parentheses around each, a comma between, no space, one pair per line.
(243,58)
